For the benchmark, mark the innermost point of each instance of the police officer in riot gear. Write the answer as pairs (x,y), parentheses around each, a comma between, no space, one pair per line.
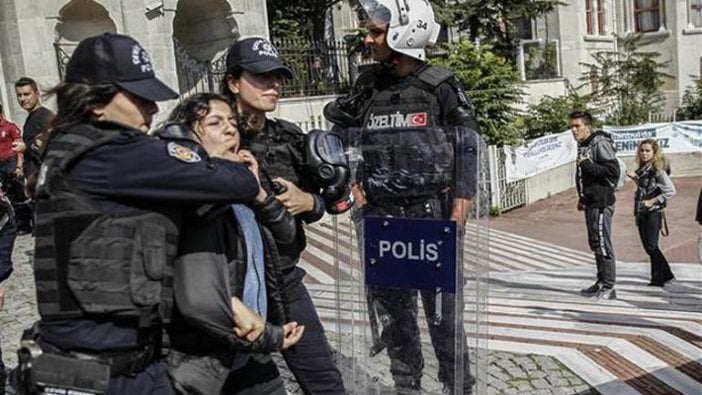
(403,94)
(253,81)
(109,209)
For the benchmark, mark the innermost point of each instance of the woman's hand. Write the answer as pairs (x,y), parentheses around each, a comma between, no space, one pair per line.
(650,202)
(249,325)
(248,159)
(294,199)
(293,334)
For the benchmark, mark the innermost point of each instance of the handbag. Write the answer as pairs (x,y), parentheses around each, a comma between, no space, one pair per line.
(664,225)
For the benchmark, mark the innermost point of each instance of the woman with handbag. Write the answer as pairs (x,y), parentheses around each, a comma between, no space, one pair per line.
(654,189)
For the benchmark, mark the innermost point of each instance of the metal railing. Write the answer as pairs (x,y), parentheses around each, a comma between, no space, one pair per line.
(319,67)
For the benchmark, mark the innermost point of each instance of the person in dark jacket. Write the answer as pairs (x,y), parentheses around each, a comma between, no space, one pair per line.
(110,205)
(654,189)
(253,81)
(35,131)
(596,175)
(232,251)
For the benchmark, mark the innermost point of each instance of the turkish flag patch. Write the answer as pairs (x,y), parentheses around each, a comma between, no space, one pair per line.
(418,119)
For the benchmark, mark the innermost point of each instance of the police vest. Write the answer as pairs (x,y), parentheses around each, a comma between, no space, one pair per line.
(405,153)
(89,264)
(279,150)
(410,101)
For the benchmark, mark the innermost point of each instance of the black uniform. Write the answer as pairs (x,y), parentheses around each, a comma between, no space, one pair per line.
(414,168)
(279,149)
(37,122)
(109,204)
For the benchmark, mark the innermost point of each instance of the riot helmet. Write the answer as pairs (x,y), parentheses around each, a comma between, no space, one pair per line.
(410,24)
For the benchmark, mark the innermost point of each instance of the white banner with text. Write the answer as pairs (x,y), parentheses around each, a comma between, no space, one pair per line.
(541,154)
(548,152)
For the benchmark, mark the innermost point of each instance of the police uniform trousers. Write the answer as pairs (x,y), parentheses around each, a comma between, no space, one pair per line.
(153,380)
(599,234)
(310,360)
(401,331)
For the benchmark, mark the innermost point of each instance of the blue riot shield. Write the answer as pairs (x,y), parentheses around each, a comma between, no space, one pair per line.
(411,289)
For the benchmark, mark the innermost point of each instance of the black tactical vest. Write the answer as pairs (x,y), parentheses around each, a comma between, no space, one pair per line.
(280,151)
(405,154)
(89,264)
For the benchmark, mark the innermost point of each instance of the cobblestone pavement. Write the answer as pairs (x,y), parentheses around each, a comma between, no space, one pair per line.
(507,373)
(20,310)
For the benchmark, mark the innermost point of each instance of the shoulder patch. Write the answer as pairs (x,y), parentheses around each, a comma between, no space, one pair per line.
(287,126)
(434,75)
(183,154)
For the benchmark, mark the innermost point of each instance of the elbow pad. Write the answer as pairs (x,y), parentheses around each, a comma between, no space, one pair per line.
(463,116)
(272,214)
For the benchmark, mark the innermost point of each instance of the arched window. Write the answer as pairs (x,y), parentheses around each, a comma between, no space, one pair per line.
(202,31)
(77,20)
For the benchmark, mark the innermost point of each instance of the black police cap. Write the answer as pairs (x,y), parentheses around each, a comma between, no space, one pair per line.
(257,55)
(118,59)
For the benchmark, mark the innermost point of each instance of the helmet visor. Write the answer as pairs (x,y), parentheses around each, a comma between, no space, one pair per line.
(373,11)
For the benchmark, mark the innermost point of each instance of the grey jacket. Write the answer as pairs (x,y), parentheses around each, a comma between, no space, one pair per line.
(652,184)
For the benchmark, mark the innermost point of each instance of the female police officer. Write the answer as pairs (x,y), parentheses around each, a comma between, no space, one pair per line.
(109,203)
(253,81)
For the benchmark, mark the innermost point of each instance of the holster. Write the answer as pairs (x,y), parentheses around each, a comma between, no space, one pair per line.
(47,373)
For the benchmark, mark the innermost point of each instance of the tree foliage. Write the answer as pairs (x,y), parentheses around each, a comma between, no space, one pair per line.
(626,85)
(492,84)
(491,21)
(295,19)
(691,106)
(550,115)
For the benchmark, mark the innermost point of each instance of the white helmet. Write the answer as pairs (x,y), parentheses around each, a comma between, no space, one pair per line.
(411,24)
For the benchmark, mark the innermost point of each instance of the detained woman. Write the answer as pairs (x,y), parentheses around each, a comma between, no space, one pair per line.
(233,252)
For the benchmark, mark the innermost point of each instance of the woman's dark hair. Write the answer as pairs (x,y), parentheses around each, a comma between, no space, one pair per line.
(194,108)
(76,101)
(234,73)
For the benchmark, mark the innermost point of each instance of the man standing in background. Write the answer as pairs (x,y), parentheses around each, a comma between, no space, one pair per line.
(34,135)
(596,176)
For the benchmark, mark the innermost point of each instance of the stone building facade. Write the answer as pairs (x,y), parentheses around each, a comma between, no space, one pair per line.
(37,37)
(580,28)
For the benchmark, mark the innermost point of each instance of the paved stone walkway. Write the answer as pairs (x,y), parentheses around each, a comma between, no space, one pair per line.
(506,373)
